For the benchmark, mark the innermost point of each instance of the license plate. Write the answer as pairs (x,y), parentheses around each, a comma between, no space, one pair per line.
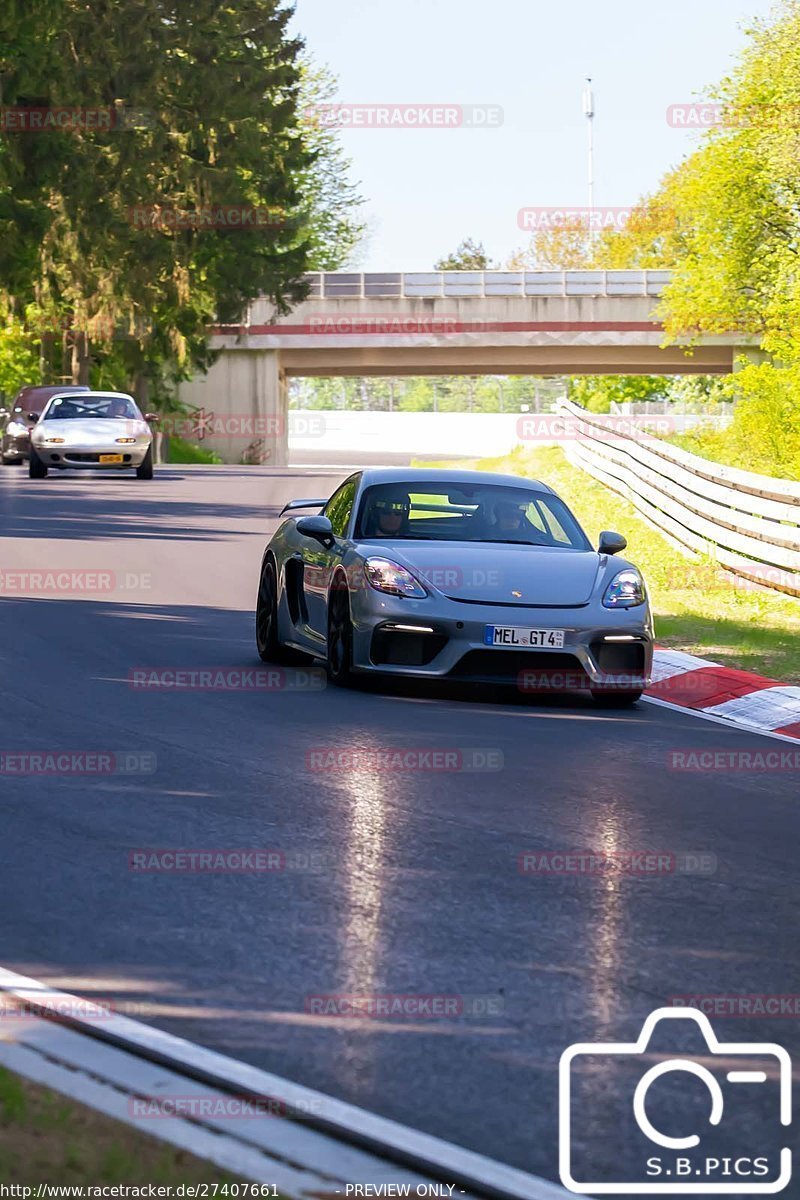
(110,458)
(518,638)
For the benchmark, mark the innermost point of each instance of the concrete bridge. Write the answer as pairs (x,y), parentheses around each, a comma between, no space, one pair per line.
(436,323)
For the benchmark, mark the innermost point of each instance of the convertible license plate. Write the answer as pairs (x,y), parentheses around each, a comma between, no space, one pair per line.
(517,638)
(110,458)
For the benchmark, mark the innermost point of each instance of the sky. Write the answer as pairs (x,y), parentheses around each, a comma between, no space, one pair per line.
(425,189)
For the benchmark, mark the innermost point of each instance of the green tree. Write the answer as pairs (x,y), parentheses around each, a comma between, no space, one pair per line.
(218,92)
(330,203)
(598,392)
(468,256)
(19,361)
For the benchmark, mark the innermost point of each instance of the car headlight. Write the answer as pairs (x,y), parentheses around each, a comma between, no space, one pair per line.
(52,441)
(387,576)
(125,441)
(16,429)
(626,590)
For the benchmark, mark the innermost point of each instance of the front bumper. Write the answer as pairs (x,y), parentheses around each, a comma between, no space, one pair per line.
(15,446)
(445,640)
(86,456)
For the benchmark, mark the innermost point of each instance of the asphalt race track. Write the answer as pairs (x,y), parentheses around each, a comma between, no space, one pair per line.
(394,882)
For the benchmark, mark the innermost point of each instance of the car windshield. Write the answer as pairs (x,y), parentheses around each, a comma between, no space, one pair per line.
(66,408)
(455,512)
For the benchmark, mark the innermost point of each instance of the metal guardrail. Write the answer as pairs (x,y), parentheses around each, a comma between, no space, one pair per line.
(311,1146)
(342,285)
(748,523)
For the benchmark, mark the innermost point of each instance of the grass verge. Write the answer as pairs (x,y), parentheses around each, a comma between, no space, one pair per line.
(697,608)
(47,1138)
(181,451)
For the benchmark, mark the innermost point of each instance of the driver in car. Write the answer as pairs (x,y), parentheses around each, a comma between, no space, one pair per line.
(509,518)
(118,408)
(388,516)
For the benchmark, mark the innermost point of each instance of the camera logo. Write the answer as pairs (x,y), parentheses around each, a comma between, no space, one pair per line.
(739,1088)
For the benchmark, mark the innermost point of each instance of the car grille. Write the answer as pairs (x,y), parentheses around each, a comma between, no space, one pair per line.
(513,604)
(506,666)
(616,658)
(398,648)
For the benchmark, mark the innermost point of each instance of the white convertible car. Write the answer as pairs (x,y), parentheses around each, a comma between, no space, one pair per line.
(98,431)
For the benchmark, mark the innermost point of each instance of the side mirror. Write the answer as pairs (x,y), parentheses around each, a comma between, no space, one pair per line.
(318,528)
(4,412)
(151,418)
(33,417)
(611,543)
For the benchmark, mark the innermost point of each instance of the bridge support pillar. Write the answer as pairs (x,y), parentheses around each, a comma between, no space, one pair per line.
(240,409)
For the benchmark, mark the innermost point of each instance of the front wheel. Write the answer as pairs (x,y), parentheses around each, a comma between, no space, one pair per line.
(340,636)
(606,699)
(145,468)
(36,468)
(267,644)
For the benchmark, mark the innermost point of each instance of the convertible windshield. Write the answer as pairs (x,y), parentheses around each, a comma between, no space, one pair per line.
(66,408)
(445,512)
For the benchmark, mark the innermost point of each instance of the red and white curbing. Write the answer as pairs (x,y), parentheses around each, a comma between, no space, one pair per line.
(739,696)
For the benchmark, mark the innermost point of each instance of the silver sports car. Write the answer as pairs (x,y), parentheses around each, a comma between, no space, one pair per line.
(92,430)
(458,575)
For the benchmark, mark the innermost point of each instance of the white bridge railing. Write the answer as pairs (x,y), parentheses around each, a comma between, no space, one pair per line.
(343,285)
(748,523)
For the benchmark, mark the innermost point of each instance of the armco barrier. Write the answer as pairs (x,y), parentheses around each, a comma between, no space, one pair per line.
(748,523)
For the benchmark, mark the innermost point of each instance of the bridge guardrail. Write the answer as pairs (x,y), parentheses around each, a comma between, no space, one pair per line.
(748,523)
(354,285)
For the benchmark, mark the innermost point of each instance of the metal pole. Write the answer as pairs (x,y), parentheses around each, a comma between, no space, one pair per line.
(588,109)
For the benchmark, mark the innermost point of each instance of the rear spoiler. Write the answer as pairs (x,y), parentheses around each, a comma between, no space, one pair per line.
(303,504)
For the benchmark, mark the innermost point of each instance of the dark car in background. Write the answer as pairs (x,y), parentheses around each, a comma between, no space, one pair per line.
(24,413)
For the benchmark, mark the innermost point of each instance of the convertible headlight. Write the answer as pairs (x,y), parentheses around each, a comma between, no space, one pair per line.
(16,429)
(626,590)
(52,441)
(387,576)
